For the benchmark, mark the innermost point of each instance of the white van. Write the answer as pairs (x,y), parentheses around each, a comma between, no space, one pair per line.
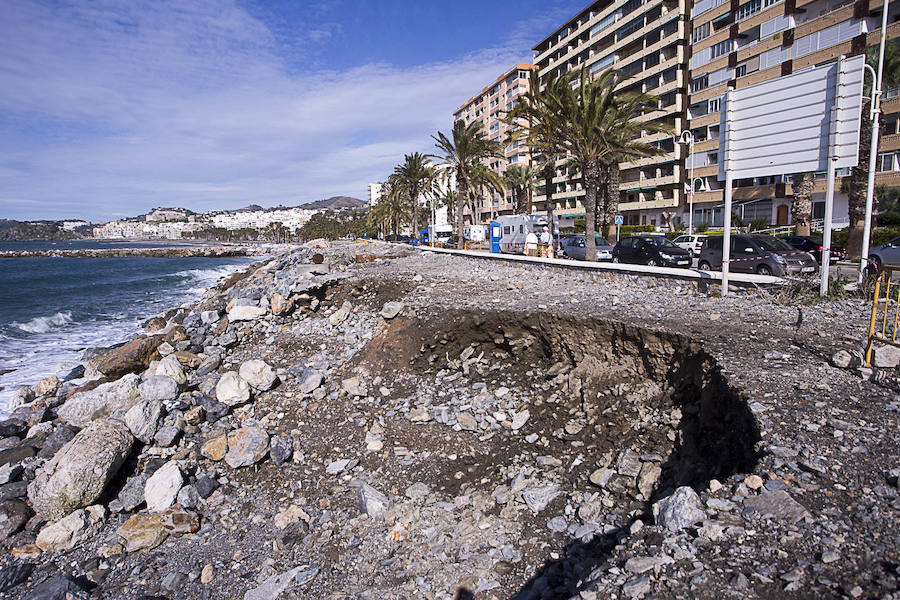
(515,228)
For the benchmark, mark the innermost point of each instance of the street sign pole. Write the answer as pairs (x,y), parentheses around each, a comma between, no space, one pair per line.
(726,238)
(829,184)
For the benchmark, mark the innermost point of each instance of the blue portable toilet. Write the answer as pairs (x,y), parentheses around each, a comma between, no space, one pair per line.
(495,237)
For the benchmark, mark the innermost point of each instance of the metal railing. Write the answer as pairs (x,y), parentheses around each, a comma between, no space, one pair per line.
(885,310)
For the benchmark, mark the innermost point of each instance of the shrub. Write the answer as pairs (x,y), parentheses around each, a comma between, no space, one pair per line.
(758,224)
(889,219)
(702,227)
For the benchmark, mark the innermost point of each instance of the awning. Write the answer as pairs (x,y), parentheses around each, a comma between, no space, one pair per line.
(723,17)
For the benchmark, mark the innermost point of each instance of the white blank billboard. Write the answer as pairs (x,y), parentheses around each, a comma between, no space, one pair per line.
(783,125)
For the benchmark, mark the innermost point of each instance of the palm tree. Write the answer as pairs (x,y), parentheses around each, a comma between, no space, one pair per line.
(391,210)
(801,207)
(416,178)
(463,153)
(521,181)
(859,175)
(597,126)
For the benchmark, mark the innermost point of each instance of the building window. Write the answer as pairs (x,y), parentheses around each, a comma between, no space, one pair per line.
(713,105)
(740,71)
(701,32)
(699,83)
(723,47)
(885,162)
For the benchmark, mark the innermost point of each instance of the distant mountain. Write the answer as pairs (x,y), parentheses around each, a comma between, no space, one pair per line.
(335,203)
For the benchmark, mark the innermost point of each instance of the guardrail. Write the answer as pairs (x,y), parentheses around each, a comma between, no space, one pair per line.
(888,314)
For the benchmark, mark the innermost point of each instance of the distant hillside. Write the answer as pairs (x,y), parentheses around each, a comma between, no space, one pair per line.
(24,231)
(335,203)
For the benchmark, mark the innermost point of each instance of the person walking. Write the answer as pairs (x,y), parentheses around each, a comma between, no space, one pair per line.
(531,244)
(546,243)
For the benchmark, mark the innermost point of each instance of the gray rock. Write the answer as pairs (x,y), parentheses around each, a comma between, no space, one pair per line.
(354,386)
(273,586)
(246,446)
(281,449)
(15,574)
(58,438)
(246,313)
(537,498)
(62,587)
(13,516)
(132,494)
(166,436)
(886,357)
(642,564)
(159,387)
(309,381)
(206,485)
(107,399)
(371,501)
(391,310)
(635,588)
(143,419)
(778,504)
(162,487)
(79,473)
(209,364)
(22,395)
(232,389)
(71,529)
(188,497)
(682,509)
(258,374)
(341,314)
(417,491)
(629,464)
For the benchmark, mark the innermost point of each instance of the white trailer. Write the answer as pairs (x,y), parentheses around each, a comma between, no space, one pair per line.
(515,228)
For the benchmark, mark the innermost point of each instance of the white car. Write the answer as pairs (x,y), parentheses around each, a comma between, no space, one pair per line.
(691,243)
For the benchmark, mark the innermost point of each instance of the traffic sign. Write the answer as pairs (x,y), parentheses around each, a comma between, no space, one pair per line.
(620,220)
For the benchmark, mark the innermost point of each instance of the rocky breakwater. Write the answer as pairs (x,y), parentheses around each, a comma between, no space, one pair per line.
(306,431)
(162,252)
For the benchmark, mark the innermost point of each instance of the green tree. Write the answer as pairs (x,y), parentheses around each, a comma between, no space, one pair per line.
(416,178)
(803,185)
(859,175)
(521,180)
(391,210)
(462,155)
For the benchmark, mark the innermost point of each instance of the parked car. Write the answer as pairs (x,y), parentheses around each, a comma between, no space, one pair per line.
(757,253)
(691,243)
(574,245)
(885,254)
(811,245)
(653,251)
(400,239)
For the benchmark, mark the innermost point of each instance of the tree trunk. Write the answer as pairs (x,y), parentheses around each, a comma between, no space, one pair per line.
(859,179)
(530,200)
(590,175)
(461,197)
(611,208)
(549,170)
(414,192)
(801,207)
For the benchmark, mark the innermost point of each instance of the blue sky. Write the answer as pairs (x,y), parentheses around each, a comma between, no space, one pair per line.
(108,108)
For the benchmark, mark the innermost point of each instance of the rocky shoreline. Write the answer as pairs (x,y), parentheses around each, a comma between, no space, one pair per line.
(163,252)
(432,426)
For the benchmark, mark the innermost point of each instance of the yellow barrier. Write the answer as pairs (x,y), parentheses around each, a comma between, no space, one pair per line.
(476,246)
(888,315)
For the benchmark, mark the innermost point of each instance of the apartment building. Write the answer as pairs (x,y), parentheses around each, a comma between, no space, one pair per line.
(489,107)
(374,190)
(740,43)
(644,40)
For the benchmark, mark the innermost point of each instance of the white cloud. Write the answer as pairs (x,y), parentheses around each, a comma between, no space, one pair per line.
(113,108)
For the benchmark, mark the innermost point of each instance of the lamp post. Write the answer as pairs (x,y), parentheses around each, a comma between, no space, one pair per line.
(875,113)
(687,137)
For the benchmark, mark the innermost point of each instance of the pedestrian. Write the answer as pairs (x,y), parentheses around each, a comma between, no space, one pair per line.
(546,244)
(531,244)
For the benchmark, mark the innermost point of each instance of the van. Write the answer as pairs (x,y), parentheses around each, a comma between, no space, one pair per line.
(757,253)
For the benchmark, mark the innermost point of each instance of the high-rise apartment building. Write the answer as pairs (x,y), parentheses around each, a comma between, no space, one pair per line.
(739,43)
(687,54)
(645,41)
(490,107)
(374,192)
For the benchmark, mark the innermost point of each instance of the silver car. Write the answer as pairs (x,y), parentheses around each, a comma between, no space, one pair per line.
(574,247)
(691,243)
(885,254)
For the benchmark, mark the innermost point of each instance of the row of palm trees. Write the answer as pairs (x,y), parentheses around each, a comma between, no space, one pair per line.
(579,118)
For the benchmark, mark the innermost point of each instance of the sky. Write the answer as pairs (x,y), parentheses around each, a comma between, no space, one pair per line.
(110,108)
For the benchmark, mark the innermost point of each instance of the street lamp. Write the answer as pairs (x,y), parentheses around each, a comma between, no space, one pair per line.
(875,113)
(687,137)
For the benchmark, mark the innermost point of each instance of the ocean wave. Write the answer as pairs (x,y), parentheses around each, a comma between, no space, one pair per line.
(45,324)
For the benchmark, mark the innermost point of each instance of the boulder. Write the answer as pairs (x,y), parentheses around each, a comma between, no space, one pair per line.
(280,305)
(232,389)
(354,386)
(162,487)
(58,438)
(132,357)
(61,587)
(245,313)
(246,446)
(371,501)
(170,367)
(680,510)
(79,473)
(132,494)
(258,374)
(15,573)
(391,310)
(188,359)
(160,388)
(215,448)
(341,314)
(143,419)
(47,386)
(195,416)
(108,399)
(886,357)
(22,395)
(71,530)
(309,381)
(778,504)
(142,531)
(166,436)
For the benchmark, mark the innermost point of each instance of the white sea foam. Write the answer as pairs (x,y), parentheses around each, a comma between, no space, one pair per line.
(45,324)
(53,345)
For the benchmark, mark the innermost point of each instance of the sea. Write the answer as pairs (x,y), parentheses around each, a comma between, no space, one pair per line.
(53,309)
